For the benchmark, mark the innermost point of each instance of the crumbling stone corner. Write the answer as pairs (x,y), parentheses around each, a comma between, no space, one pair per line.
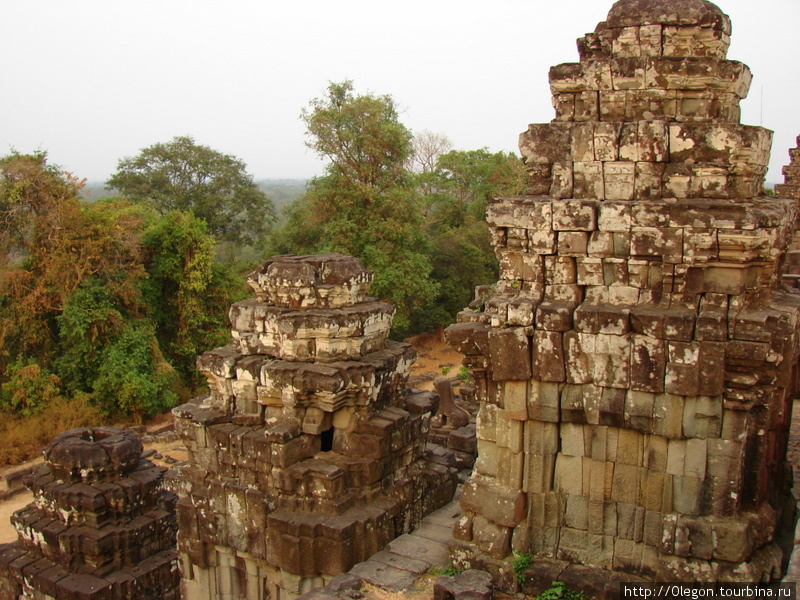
(637,359)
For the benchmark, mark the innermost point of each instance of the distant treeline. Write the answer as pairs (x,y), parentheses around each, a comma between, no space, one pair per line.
(282,192)
(109,291)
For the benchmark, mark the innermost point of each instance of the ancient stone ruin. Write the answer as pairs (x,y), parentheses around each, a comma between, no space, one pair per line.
(790,188)
(637,359)
(307,456)
(100,526)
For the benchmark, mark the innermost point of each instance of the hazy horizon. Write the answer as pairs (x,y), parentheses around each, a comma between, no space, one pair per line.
(91,82)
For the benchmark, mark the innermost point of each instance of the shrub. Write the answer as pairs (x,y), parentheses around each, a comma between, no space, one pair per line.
(29,389)
(22,438)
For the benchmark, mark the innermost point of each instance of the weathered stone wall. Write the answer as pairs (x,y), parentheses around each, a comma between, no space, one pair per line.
(100,526)
(790,188)
(637,359)
(307,456)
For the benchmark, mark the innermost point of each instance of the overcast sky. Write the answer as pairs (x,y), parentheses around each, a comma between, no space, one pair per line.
(92,81)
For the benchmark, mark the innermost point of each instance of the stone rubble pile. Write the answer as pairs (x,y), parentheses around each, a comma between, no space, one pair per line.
(307,456)
(100,526)
(637,359)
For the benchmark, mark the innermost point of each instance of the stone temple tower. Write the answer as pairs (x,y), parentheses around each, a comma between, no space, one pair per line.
(100,526)
(790,188)
(637,359)
(307,456)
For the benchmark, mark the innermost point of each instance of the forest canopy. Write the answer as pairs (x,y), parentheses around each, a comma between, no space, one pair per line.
(105,305)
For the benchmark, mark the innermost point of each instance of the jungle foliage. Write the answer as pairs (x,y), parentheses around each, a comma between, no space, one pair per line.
(186,176)
(410,207)
(105,304)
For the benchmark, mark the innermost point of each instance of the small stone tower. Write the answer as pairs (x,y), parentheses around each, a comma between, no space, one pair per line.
(307,456)
(100,526)
(637,360)
(790,188)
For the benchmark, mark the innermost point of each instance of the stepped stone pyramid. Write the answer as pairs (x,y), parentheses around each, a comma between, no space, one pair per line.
(307,456)
(100,526)
(637,360)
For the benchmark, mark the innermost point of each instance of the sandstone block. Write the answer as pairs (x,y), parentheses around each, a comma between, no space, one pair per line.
(495,503)
(548,356)
(510,354)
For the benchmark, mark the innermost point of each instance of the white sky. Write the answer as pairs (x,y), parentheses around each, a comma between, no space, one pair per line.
(92,81)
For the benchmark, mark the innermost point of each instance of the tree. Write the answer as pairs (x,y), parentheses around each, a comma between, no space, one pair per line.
(182,175)
(52,243)
(464,182)
(30,190)
(455,195)
(188,293)
(105,303)
(362,137)
(366,204)
(428,147)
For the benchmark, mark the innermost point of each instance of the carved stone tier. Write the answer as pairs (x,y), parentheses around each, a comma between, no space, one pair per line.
(308,456)
(322,335)
(100,526)
(316,281)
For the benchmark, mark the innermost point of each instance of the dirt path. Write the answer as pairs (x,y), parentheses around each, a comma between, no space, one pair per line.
(434,357)
(8,508)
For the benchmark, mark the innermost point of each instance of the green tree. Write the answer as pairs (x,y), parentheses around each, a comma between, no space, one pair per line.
(105,303)
(362,137)
(62,243)
(366,204)
(187,292)
(464,182)
(29,388)
(455,194)
(185,176)
(133,376)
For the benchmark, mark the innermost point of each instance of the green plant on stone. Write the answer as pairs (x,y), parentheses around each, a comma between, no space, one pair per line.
(559,591)
(464,375)
(446,369)
(448,571)
(521,561)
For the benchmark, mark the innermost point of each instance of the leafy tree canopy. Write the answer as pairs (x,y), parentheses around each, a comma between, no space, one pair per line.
(366,204)
(456,187)
(102,304)
(362,137)
(30,189)
(185,176)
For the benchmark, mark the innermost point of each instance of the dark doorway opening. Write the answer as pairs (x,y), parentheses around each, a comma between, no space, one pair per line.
(327,440)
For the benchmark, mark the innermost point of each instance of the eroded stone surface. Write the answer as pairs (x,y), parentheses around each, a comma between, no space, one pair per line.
(100,526)
(308,456)
(790,188)
(312,281)
(636,361)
